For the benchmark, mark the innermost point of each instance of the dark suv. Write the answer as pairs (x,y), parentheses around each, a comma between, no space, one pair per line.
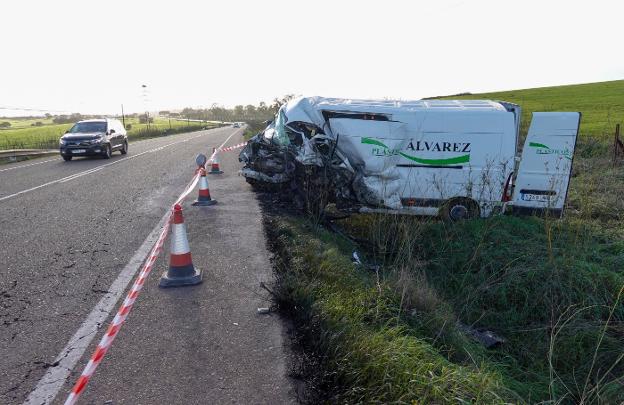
(94,137)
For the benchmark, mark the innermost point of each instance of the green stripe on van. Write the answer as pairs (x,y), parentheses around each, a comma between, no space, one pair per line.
(375,142)
(538,145)
(438,162)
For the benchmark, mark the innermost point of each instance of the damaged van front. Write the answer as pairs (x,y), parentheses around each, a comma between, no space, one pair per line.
(295,155)
(268,158)
(425,157)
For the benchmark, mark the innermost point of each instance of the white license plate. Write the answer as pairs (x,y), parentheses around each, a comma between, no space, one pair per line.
(537,197)
(78,150)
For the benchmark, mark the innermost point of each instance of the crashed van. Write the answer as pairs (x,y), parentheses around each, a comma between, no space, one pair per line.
(453,158)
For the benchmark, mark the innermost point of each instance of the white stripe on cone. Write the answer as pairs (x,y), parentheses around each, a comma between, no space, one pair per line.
(179,242)
(203,183)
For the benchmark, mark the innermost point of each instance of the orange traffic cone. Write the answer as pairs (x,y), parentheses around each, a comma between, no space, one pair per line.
(181,270)
(215,162)
(204,193)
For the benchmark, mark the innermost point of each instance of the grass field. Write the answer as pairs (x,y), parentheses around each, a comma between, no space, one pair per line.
(602,104)
(22,135)
(45,137)
(18,123)
(399,328)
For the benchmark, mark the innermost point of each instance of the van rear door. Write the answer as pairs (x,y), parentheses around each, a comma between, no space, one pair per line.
(544,173)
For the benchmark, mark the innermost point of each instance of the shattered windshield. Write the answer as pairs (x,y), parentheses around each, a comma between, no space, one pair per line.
(281,137)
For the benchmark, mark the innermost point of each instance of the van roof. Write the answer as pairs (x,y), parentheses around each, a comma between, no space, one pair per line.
(310,109)
(402,105)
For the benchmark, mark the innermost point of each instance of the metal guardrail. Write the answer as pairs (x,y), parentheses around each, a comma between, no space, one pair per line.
(15,153)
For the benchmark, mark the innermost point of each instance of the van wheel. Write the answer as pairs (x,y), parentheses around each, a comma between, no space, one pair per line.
(457,209)
(124,148)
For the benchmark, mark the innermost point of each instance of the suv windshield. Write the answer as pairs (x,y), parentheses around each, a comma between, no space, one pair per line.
(88,127)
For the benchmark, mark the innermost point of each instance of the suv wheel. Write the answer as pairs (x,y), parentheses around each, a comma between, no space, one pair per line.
(107,152)
(124,148)
(67,158)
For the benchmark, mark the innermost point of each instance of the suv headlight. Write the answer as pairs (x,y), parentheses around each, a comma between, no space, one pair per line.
(62,141)
(95,141)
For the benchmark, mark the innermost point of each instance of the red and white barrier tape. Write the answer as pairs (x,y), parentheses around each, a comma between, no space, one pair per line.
(229,148)
(189,188)
(122,313)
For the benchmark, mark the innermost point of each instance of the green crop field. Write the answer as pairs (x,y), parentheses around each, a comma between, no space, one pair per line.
(602,104)
(28,137)
(17,123)
(22,135)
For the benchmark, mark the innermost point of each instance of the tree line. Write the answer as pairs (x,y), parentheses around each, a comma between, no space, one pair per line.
(247,113)
(253,114)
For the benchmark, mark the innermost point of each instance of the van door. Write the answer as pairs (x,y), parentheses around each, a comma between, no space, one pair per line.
(373,147)
(546,163)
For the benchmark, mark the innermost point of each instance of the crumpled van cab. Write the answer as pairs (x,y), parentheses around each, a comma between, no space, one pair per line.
(97,137)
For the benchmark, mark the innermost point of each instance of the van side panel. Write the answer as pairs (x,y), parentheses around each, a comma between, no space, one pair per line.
(428,157)
(459,155)
(373,148)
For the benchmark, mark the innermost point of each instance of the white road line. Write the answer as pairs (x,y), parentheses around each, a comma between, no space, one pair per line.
(28,165)
(228,138)
(75,176)
(53,380)
(91,171)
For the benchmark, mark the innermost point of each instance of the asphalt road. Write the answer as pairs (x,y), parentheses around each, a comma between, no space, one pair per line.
(70,231)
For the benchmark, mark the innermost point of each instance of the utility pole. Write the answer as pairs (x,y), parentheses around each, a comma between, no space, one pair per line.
(123,117)
(144,87)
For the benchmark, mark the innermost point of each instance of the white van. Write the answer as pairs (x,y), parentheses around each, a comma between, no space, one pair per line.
(427,157)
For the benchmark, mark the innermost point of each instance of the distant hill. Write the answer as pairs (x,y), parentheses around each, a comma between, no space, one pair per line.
(602,104)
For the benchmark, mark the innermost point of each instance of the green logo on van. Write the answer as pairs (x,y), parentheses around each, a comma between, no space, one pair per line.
(381,149)
(542,149)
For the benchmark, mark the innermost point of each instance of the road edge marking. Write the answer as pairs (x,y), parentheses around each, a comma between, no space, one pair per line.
(53,380)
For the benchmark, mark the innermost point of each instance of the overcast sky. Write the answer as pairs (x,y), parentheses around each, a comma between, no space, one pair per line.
(91,56)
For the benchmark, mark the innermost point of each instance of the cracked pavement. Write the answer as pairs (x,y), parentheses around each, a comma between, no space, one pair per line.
(63,245)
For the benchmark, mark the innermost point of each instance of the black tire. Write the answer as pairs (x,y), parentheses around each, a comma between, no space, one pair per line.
(253,182)
(458,209)
(67,158)
(124,148)
(108,152)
